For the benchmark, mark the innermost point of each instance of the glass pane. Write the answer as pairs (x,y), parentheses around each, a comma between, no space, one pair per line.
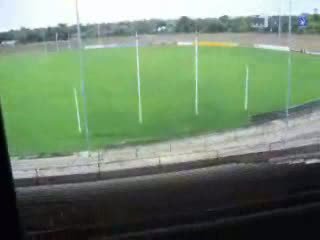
(99,90)
(305,59)
(39,69)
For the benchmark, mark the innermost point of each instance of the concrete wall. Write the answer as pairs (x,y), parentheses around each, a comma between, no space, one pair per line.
(307,42)
(278,135)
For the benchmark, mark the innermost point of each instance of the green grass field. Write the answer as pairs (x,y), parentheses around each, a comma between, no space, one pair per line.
(37,93)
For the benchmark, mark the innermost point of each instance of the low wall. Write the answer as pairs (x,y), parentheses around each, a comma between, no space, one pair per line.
(298,110)
(313,53)
(298,132)
(97,171)
(302,41)
(217,44)
(208,44)
(184,44)
(272,47)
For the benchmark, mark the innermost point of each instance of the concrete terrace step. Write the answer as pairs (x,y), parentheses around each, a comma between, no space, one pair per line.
(298,131)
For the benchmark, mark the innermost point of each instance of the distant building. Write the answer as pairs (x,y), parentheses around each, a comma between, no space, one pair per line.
(10,43)
(260,22)
(162,29)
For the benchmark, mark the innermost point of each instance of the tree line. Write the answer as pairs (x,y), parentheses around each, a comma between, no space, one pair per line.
(157,26)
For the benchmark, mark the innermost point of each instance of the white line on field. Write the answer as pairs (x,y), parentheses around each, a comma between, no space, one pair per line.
(77,109)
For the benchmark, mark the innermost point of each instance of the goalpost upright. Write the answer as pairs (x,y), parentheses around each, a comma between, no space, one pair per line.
(246,93)
(288,100)
(139,79)
(57,43)
(280,21)
(69,41)
(82,77)
(45,43)
(196,100)
(77,109)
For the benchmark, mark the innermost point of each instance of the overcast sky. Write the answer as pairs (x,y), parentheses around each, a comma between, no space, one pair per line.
(41,13)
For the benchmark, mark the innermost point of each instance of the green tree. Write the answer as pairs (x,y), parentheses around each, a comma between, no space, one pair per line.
(6,36)
(215,26)
(240,24)
(143,27)
(185,24)
(314,24)
(62,30)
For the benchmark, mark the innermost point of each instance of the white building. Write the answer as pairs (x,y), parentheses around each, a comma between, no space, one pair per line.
(10,43)
(260,22)
(162,29)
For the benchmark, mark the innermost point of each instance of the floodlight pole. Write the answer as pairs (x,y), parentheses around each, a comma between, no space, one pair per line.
(196,101)
(289,61)
(139,79)
(82,77)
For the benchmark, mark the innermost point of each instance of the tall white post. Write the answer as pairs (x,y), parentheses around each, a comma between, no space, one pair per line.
(280,23)
(196,100)
(69,43)
(82,77)
(99,33)
(288,102)
(57,43)
(45,43)
(138,78)
(77,109)
(246,93)
(6,119)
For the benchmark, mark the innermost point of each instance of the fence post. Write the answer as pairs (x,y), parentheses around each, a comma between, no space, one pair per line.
(37,176)
(205,144)
(99,170)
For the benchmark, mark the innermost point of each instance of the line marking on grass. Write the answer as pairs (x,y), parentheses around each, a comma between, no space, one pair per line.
(77,109)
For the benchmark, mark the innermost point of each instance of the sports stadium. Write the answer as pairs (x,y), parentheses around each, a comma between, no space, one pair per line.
(231,74)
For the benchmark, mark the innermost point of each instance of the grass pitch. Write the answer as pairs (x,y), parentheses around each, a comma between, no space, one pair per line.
(40,115)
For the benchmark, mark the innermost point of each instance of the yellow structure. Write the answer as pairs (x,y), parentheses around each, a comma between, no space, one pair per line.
(217,44)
